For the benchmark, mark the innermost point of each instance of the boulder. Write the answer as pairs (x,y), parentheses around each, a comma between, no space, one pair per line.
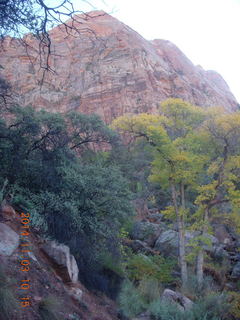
(219,252)
(181,301)
(222,234)
(64,262)
(167,243)
(236,270)
(7,211)
(146,231)
(9,240)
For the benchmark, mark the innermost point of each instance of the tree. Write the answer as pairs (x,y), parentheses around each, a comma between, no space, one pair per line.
(175,166)
(220,141)
(57,170)
(18,17)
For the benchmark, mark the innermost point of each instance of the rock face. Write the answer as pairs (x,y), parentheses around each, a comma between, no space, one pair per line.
(60,255)
(9,240)
(109,69)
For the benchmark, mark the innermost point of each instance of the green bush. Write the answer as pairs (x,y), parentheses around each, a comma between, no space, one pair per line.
(164,311)
(157,267)
(212,307)
(149,289)
(130,300)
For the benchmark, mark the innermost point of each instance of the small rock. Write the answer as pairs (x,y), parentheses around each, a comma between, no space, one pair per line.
(9,240)
(76,293)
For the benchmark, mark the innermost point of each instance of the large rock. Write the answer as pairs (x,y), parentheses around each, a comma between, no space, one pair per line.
(179,300)
(9,240)
(146,231)
(64,262)
(7,211)
(110,69)
(223,235)
(167,243)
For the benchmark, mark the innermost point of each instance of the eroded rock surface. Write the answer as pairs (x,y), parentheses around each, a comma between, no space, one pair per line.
(108,68)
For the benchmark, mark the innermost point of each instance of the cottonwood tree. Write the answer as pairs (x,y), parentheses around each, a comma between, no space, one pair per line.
(219,139)
(175,165)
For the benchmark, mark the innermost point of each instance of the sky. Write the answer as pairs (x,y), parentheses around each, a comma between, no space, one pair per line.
(207,31)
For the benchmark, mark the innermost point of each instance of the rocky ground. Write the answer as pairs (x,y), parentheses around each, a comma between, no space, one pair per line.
(53,272)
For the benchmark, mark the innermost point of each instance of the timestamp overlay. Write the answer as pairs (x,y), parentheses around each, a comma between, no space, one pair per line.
(24,262)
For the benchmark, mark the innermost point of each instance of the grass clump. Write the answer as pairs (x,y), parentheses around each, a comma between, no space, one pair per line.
(49,309)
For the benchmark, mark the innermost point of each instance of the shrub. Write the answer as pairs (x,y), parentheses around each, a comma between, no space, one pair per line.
(48,309)
(192,289)
(130,300)
(149,289)
(234,309)
(165,311)
(156,267)
(212,307)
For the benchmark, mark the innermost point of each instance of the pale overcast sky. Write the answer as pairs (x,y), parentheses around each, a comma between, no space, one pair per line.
(207,31)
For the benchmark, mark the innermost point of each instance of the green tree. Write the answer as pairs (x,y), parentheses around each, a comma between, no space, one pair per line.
(57,171)
(175,165)
(219,139)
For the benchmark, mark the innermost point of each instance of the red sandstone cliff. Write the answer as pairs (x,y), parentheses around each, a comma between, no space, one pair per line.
(109,69)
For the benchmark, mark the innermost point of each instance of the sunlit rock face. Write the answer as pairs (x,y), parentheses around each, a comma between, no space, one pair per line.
(108,68)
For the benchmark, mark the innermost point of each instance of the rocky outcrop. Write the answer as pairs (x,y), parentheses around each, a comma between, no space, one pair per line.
(61,257)
(9,240)
(146,231)
(167,243)
(46,286)
(108,68)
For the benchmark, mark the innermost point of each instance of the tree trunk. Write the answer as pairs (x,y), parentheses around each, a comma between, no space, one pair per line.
(181,238)
(200,256)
